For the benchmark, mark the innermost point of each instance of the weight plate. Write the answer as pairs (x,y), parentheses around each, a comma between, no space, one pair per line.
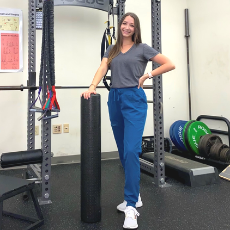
(228,156)
(206,142)
(185,138)
(178,135)
(215,151)
(168,145)
(171,134)
(223,154)
(148,144)
(194,132)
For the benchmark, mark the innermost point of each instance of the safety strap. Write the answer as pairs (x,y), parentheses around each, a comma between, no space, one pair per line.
(107,40)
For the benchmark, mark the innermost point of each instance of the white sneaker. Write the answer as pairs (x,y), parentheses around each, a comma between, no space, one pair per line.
(130,218)
(121,207)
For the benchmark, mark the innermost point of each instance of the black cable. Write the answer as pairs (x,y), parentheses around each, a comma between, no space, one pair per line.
(47,56)
(51,42)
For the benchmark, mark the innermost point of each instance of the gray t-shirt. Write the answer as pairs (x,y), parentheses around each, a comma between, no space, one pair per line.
(127,68)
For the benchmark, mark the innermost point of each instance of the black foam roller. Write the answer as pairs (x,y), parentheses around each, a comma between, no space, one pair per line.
(21,158)
(91,159)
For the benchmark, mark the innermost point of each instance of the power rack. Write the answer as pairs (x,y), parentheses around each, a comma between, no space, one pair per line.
(43,172)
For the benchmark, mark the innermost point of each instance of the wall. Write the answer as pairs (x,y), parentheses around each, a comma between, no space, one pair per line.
(210,58)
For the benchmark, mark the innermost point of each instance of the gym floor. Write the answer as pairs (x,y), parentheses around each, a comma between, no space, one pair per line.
(175,207)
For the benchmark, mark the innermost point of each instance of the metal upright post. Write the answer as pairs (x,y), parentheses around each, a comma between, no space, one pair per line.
(46,145)
(31,72)
(121,9)
(159,165)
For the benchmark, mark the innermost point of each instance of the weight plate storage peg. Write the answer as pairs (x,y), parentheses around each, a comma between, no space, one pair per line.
(206,142)
(193,133)
(215,151)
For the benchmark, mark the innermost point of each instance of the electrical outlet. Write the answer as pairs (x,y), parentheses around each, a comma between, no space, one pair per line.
(65,128)
(57,129)
(36,130)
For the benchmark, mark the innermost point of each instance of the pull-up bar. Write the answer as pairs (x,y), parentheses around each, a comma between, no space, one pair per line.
(95,4)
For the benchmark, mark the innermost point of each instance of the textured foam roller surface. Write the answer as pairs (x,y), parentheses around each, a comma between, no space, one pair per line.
(91,159)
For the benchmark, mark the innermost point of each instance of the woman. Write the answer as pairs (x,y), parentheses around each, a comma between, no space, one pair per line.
(127,103)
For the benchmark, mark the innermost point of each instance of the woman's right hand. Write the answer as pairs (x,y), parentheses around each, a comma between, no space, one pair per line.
(87,93)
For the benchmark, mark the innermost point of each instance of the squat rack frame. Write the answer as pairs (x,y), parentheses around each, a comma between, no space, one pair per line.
(43,174)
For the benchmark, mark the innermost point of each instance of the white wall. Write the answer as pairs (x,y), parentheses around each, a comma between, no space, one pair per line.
(210,58)
(78,33)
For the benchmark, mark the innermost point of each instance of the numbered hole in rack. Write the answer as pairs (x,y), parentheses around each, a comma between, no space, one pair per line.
(46,183)
(47,159)
(46,189)
(47,165)
(47,171)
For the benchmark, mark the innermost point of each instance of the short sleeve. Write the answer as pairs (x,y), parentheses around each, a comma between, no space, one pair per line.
(149,52)
(106,55)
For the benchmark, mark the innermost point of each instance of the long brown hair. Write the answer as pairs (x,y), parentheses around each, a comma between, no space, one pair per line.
(136,38)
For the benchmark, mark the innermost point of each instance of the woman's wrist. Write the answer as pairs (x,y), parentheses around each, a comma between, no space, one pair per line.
(92,86)
(146,76)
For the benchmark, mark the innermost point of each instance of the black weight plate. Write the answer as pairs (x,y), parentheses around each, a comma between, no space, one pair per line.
(223,154)
(228,156)
(206,142)
(215,150)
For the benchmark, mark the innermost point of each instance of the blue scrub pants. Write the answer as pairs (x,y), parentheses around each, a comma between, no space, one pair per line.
(127,111)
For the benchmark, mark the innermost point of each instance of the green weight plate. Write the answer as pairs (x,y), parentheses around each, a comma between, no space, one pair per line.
(186,139)
(195,131)
(183,133)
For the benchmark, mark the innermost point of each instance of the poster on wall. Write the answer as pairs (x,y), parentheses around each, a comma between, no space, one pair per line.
(11,40)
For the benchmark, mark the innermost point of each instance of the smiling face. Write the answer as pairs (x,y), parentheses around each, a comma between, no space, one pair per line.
(128,27)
